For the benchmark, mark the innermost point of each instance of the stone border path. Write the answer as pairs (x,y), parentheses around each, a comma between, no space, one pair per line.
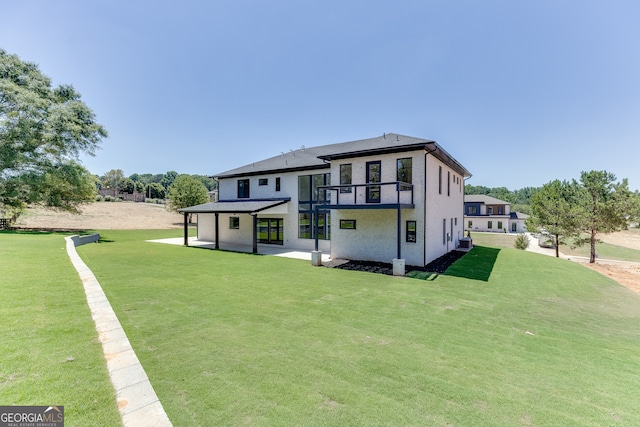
(137,401)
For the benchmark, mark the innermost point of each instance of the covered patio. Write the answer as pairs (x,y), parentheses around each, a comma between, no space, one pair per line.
(236,247)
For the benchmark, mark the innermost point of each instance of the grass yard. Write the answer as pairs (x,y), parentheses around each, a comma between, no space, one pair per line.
(604,251)
(505,338)
(495,240)
(49,350)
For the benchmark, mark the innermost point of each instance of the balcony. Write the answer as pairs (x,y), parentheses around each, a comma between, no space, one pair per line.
(379,195)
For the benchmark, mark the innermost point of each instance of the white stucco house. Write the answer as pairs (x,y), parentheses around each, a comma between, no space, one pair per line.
(377,199)
(486,213)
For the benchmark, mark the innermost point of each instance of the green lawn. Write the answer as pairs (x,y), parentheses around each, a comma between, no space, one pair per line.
(49,348)
(505,338)
(604,251)
(495,240)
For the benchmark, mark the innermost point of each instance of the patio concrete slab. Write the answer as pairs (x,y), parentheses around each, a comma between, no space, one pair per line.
(272,250)
(137,400)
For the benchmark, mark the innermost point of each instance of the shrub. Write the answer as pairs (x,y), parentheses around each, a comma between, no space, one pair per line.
(99,198)
(107,198)
(522,242)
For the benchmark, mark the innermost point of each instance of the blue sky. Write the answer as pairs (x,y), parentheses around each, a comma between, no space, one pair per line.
(520,92)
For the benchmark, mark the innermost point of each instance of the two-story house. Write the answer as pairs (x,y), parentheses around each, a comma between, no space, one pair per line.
(378,199)
(486,213)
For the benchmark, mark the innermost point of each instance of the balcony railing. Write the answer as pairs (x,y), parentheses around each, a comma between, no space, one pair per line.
(371,194)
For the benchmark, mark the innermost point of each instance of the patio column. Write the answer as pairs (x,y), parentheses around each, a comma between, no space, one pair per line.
(399,231)
(217,246)
(186,229)
(255,233)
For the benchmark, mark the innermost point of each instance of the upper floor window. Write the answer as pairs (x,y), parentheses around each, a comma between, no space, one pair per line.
(345,177)
(243,189)
(500,210)
(278,183)
(448,183)
(439,179)
(263,181)
(472,210)
(490,210)
(404,170)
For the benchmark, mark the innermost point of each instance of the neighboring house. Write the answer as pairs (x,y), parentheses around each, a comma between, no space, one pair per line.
(377,199)
(486,213)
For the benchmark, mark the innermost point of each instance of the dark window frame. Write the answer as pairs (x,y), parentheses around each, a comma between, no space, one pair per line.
(263,181)
(374,192)
(347,224)
(411,236)
(277,183)
(234,223)
(344,175)
(404,172)
(244,188)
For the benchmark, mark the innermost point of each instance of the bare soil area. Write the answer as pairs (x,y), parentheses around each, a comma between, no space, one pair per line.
(103,216)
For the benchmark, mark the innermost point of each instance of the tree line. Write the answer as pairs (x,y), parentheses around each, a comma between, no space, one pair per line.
(154,186)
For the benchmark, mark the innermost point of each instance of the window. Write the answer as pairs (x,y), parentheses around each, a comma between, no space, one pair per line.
(472,210)
(374,173)
(348,224)
(490,210)
(444,231)
(234,223)
(439,179)
(499,225)
(448,183)
(345,177)
(456,221)
(308,195)
(263,181)
(270,230)
(490,225)
(411,231)
(404,172)
(243,189)
(304,188)
(470,224)
(277,183)
(500,210)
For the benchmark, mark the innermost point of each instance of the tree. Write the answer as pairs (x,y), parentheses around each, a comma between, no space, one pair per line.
(187,191)
(602,206)
(113,180)
(42,132)
(155,191)
(168,179)
(551,212)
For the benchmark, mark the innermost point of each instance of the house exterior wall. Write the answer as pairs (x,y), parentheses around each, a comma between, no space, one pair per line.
(375,236)
(444,204)
(481,223)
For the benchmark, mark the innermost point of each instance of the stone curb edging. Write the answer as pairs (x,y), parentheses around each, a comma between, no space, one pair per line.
(138,403)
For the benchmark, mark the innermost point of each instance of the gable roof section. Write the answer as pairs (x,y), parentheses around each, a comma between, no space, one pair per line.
(481,198)
(319,157)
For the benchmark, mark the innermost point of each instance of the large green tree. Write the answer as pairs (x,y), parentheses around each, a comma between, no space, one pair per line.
(551,212)
(186,191)
(602,206)
(43,130)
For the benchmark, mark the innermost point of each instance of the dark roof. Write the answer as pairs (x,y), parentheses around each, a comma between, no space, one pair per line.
(518,215)
(481,198)
(319,157)
(235,206)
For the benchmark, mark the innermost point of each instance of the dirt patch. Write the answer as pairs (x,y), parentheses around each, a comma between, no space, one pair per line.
(103,216)
(627,274)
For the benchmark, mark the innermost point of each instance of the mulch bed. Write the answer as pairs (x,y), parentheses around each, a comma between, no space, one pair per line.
(438,265)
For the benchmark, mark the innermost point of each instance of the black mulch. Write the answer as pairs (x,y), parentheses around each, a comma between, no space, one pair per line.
(438,265)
